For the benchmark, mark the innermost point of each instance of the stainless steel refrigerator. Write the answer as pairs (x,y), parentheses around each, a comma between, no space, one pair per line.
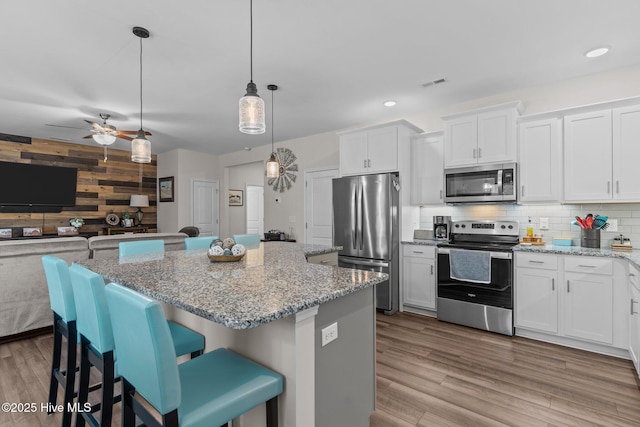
(365,224)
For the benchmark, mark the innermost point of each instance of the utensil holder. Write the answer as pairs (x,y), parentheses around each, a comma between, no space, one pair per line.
(590,238)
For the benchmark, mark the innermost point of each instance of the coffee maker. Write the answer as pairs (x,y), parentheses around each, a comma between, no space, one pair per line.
(441,227)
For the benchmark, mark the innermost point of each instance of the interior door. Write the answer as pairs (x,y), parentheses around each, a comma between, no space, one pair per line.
(205,212)
(319,207)
(255,209)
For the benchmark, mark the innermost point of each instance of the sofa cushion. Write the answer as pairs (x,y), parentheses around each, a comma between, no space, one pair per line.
(107,246)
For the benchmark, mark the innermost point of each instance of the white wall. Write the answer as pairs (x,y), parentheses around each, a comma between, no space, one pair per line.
(239,177)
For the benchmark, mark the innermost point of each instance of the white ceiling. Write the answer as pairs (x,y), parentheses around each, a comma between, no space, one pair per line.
(336,61)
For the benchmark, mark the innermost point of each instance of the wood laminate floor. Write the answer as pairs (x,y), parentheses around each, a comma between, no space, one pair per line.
(429,373)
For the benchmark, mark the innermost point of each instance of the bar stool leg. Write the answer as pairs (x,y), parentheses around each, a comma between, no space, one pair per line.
(107,388)
(83,391)
(55,363)
(272,412)
(70,377)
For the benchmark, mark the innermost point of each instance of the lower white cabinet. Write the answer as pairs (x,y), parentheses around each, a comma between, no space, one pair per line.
(572,300)
(634,316)
(419,276)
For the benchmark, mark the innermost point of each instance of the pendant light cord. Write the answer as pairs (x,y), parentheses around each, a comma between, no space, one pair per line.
(251,39)
(272,114)
(140,82)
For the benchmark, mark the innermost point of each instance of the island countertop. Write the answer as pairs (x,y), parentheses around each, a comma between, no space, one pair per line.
(271,282)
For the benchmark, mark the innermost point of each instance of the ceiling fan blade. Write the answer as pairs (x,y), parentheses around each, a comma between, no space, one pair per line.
(128,138)
(67,127)
(133,132)
(87,137)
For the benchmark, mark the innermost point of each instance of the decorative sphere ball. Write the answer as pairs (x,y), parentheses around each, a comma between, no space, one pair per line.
(238,249)
(227,252)
(228,243)
(216,250)
(216,242)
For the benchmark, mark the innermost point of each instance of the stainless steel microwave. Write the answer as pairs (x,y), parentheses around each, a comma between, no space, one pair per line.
(481,184)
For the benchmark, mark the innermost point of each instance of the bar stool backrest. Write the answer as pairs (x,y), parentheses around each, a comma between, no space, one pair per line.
(141,247)
(59,285)
(200,242)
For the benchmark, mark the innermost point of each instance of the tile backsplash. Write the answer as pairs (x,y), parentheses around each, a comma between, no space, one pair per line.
(560,218)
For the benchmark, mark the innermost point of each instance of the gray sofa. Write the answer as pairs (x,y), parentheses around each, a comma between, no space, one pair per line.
(24,297)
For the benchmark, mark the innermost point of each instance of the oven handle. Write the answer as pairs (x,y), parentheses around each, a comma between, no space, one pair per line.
(501,255)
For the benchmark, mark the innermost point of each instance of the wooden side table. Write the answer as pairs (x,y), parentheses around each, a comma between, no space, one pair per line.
(122,230)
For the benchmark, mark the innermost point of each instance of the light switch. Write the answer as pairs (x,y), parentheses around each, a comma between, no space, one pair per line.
(544,223)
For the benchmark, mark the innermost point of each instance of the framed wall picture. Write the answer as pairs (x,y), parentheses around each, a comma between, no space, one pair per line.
(235,198)
(166,189)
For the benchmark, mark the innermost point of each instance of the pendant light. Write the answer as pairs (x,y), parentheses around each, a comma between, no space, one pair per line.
(251,105)
(273,166)
(140,146)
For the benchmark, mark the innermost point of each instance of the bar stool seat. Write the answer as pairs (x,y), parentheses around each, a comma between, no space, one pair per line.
(207,391)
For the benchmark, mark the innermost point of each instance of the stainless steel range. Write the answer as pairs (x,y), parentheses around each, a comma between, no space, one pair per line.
(475,275)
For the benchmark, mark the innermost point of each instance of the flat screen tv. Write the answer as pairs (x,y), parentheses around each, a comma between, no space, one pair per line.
(36,188)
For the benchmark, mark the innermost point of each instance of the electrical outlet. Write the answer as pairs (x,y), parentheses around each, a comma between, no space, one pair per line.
(544,223)
(330,333)
(613,225)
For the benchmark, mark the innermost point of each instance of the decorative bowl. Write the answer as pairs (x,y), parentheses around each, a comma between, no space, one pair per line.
(225,258)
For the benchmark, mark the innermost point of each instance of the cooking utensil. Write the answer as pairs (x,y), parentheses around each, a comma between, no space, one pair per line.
(600,221)
(580,222)
(589,221)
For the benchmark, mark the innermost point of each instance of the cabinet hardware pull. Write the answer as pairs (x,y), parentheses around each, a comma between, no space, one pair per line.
(324,261)
(440,194)
(479,152)
(568,287)
(432,270)
(536,262)
(522,191)
(618,187)
(369,163)
(553,284)
(608,187)
(417,252)
(365,163)
(587,266)
(474,153)
(632,312)
(632,275)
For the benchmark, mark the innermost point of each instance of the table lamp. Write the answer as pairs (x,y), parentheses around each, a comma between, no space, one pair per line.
(139,201)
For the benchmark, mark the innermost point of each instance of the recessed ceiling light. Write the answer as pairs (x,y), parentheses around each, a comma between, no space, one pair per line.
(599,51)
(389,103)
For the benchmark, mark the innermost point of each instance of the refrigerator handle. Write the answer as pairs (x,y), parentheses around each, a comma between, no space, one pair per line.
(354,233)
(360,209)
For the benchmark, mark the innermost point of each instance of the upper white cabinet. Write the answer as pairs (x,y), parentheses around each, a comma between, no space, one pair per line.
(601,149)
(427,174)
(481,136)
(373,150)
(540,163)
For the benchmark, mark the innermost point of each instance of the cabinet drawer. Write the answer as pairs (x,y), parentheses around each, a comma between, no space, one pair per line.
(419,251)
(324,259)
(545,262)
(587,264)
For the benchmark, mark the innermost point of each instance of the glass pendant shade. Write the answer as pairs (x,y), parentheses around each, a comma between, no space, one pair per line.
(104,139)
(251,112)
(273,167)
(141,149)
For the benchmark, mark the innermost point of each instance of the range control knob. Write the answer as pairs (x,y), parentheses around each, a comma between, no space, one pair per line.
(457,225)
(503,226)
(511,227)
(463,226)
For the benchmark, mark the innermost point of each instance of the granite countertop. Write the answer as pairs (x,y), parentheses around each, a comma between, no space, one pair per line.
(269,283)
(632,256)
(425,242)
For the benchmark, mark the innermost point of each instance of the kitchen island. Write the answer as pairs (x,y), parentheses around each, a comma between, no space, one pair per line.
(271,306)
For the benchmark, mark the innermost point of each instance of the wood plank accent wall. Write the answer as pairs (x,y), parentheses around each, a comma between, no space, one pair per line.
(103,188)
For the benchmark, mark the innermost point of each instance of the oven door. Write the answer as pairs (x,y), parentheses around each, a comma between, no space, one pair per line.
(497,293)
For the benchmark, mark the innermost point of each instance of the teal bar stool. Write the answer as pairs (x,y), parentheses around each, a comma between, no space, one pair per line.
(64,325)
(248,240)
(141,247)
(208,391)
(97,343)
(200,242)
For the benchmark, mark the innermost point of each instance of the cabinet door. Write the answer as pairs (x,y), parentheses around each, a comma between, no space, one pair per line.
(461,141)
(634,325)
(353,153)
(497,136)
(540,161)
(626,152)
(536,304)
(419,284)
(587,157)
(589,307)
(427,176)
(382,150)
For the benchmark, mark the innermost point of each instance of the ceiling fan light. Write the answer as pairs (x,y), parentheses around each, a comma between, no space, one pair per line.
(104,139)
(252,119)
(141,149)
(273,167)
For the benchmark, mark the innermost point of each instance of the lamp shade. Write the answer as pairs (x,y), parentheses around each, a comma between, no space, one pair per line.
(104,139)
(141,149)
(139,201)
(273,167)
(251,111)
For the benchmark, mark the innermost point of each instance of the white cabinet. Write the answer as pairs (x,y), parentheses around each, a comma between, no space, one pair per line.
(536,296)
(634,316)
(369,151)
(588,308)
(418,276)
(540,163)
(600,155)
(481,136)
(427,173)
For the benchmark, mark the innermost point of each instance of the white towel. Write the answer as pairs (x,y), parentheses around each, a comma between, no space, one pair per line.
(470,266)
